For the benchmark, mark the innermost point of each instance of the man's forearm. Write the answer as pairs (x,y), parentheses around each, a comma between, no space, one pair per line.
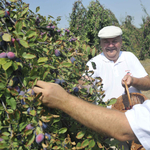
(105,121)
(141,83)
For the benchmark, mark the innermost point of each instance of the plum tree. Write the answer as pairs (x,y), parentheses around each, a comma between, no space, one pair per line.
(33,48)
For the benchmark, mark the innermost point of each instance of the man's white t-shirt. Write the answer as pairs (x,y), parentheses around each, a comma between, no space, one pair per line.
(139,120)
(112,73)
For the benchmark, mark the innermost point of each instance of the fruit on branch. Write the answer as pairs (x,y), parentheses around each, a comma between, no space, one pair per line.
(39,138)
(57,53)
(11,55)
(28,110)
(58,81)
(30,92)
(62,82)
(29,127)
(15,81)
(76,89)
(72,59)
(3,55)
(44,125)
(17,88)
(47,136)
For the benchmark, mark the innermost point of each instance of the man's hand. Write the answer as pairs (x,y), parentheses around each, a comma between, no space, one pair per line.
(128,79)
(53,95)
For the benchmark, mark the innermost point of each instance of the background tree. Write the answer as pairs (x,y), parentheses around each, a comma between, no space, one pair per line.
(132,37)
(86,22)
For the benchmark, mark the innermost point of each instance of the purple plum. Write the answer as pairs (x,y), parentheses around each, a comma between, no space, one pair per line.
(39,138)
(44,125)
(57,53)
(47,136)
(11,55)
(58,81)
(72,59)
(76,89)
(29,126)
(3,55)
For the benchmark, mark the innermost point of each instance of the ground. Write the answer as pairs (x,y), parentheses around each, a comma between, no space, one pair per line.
(146,65)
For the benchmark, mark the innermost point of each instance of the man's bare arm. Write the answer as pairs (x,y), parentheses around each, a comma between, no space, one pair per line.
(105,121)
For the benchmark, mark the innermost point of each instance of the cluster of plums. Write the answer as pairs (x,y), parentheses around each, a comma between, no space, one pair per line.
(39,137)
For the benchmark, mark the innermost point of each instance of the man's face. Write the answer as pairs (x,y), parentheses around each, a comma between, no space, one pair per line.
(111,47)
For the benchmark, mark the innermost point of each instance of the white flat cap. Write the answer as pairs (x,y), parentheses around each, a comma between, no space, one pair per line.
(109,32)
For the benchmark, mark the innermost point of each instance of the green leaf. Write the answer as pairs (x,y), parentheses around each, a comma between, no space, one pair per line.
(24,11)
(33,112)
(112,101)
(30,33)
(62,130)
(44,37)
(2,13)
(42,59)
(28,56)
(37,8)
(88,50)
(91,90)
(66,64)
(30,139)
(3,61)
(2,86)
(22,126)
(45,74)
(6,37)
(93,65)
(85,143)
(12,103)
(4,145)
(9,111)
(80,135)
(93,52)
(28,132)
(6,133)
(7,65)
(24,43)
(91,143)
(19,26)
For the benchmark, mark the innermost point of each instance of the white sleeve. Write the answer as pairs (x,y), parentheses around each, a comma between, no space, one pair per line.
(135,65)
(139,120)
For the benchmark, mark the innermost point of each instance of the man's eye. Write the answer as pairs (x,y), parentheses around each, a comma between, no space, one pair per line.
(114,41)
(106,42)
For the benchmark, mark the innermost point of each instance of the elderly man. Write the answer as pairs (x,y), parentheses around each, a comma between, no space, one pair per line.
(115,66)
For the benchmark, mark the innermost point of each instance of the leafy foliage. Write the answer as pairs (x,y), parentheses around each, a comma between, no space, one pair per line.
(41,51)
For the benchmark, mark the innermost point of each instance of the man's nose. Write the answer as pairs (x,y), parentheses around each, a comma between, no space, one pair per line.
(111,44)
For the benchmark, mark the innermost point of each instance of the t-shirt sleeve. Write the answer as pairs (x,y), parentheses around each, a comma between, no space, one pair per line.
(136,66)
(139,120)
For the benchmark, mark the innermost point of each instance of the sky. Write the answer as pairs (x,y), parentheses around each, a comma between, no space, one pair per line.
(120,8)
